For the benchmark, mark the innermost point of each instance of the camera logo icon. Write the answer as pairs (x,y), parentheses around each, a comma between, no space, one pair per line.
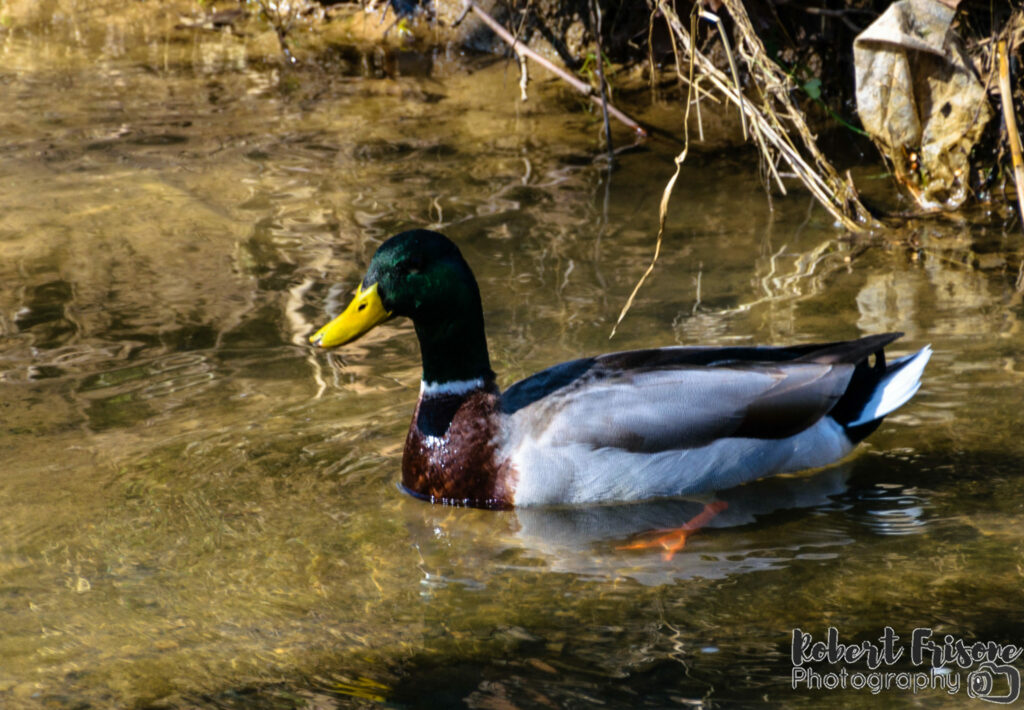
(982,682)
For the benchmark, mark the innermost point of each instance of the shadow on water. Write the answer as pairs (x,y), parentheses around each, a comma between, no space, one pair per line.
(198,511)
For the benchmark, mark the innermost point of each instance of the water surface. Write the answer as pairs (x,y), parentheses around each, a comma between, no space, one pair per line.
(196,510)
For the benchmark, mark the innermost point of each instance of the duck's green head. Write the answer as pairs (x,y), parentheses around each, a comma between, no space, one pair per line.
(419,274)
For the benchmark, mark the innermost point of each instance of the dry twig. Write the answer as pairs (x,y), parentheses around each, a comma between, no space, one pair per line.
(666,194)
(1012,136)
(523,51)
(595,22)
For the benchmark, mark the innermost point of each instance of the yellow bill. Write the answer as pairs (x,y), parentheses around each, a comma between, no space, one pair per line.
(363,313)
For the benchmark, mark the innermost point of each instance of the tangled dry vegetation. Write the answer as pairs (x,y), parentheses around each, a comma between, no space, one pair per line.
(783,67)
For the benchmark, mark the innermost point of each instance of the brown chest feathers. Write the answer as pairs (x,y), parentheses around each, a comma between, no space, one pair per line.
(451,452)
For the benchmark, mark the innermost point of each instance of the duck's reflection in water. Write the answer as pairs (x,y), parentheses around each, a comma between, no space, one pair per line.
(753,532)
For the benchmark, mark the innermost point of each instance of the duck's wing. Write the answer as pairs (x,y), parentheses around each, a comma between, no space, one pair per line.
(682,398)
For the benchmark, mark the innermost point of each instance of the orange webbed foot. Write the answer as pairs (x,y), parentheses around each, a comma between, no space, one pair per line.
(673,540)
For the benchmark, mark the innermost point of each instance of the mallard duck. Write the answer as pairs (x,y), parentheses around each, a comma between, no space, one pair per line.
(625,426)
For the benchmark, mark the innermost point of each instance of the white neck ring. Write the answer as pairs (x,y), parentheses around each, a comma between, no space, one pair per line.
(455,387)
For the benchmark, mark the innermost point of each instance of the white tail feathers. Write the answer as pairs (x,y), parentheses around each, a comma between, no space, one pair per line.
(896,387)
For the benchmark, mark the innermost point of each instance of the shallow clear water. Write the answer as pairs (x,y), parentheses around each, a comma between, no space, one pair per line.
(196,510)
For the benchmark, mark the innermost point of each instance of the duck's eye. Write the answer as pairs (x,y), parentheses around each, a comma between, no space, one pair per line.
(362,307)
